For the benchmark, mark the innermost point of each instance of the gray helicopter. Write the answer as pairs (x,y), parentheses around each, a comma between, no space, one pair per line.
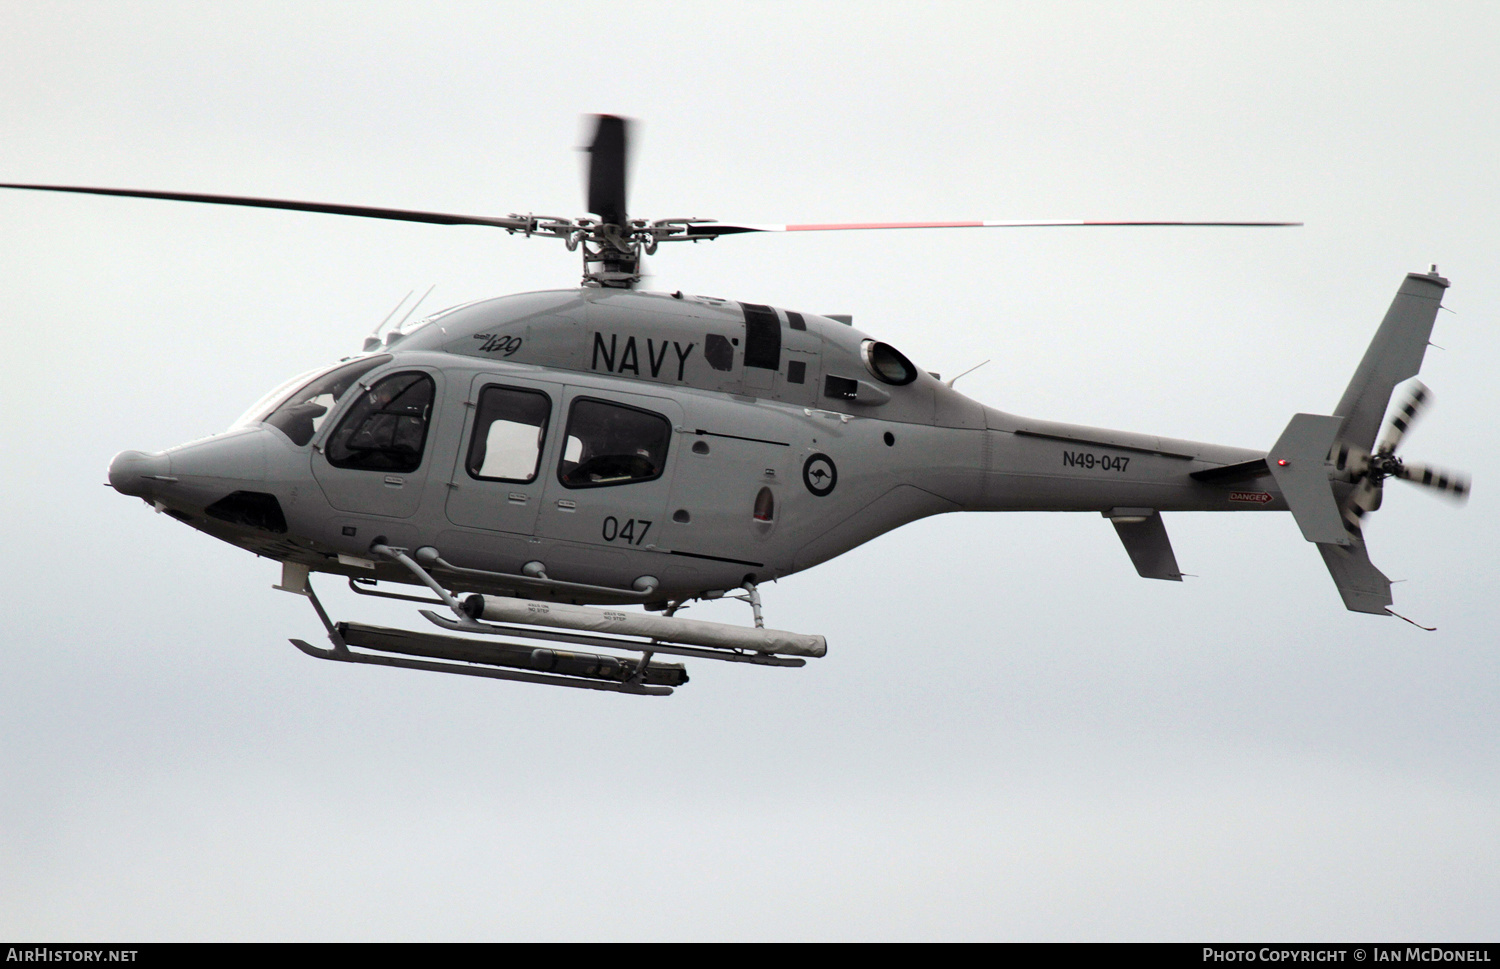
(538,461)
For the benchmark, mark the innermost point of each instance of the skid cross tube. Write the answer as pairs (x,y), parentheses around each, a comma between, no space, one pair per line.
(399,554)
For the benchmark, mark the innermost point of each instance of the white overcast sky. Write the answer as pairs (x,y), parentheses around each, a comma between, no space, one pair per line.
(1013,736)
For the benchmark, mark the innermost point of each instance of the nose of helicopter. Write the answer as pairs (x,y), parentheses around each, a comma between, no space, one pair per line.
(136,472)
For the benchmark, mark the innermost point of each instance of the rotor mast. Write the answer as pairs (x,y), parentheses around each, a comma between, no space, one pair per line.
(611,254)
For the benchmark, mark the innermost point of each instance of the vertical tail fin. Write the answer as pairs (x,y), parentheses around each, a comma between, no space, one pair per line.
(1364,588)
(1299,459)
(1394,355)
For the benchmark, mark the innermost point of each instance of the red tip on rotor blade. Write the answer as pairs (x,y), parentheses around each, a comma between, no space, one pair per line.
(883,225)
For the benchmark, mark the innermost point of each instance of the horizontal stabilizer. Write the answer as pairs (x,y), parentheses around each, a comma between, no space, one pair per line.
(1146,542)
(1298,462)
(1363,587)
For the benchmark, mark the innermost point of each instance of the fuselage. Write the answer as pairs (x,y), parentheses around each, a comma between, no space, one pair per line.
(606,436)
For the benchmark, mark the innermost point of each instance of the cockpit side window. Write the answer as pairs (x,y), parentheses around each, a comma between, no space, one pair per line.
(301,414)
(386,427)
(510,428)
(612,444)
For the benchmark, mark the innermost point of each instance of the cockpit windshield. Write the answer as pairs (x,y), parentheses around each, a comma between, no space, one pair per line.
(300,413)
(262,407)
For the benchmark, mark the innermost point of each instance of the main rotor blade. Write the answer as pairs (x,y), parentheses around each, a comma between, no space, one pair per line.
(1450,482)
(607,162)
(706,229)
(1417,397)
(399,215)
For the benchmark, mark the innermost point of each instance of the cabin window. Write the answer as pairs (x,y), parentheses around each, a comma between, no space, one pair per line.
(612,444)
(301,415)
(510,428)
(386,427)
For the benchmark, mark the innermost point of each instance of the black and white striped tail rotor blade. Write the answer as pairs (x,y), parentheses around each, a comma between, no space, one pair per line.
(1365,499)
(1406,414)
(1452,483)
(1353,460)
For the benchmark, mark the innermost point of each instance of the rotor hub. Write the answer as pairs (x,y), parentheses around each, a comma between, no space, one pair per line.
(1385,465)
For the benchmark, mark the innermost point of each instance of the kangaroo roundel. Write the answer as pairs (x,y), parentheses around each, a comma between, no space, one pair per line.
(819,474)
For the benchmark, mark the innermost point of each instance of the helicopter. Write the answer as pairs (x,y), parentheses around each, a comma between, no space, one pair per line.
(540,461)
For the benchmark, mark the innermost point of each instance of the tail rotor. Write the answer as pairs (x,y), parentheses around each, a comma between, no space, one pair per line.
(1369,471)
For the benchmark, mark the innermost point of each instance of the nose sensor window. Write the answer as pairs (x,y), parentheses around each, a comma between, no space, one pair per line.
(887,363)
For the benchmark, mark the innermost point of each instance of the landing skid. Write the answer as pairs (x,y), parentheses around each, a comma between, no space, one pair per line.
(539,661)
(498,661)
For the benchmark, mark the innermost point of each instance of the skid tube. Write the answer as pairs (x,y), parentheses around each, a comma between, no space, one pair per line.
(527,664)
